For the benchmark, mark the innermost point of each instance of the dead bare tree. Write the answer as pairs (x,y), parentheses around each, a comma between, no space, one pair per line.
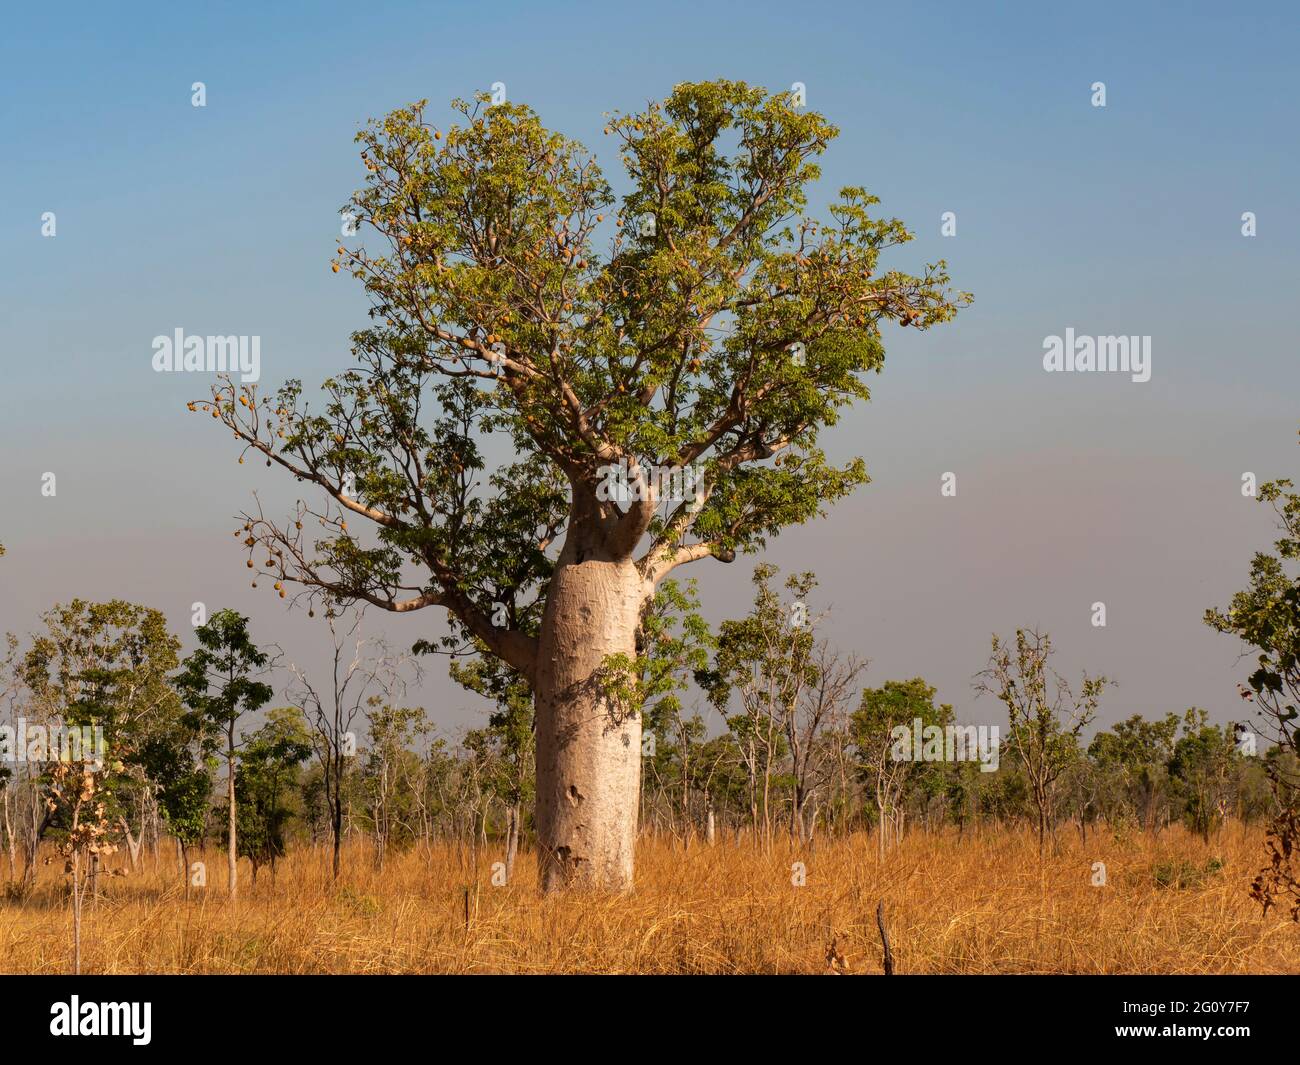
(822,705)
(364,673)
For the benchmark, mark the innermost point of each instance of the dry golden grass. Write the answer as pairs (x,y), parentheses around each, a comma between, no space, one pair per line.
(976,905)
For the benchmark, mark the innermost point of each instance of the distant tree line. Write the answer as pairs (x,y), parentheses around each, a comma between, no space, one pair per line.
(760,728)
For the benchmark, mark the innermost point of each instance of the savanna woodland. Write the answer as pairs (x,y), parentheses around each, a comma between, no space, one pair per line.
(549,358)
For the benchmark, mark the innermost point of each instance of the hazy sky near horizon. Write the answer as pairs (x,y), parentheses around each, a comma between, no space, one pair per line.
(1072,488)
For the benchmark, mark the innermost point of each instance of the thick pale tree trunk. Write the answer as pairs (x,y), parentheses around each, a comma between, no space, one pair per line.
(588,747)
(132,843)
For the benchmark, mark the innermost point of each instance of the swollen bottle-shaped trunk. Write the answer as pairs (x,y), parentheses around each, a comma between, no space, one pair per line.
(588,745)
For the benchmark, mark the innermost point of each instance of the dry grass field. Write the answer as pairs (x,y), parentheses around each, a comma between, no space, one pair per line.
(976,905)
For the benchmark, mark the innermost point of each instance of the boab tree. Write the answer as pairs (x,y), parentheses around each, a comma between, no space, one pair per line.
(699,322)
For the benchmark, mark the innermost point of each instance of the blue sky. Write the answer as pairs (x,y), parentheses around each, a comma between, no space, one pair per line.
(1072,488)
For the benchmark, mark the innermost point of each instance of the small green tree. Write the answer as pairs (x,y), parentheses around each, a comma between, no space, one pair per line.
(268,769)
(766,661)
(102,670)
(1045,716)
(220,684)
(1202,763)
(97,666)
(507,745)
(1133,759)
(965,787)
(386,765)
(1266,618)
(883,729)
(182,770)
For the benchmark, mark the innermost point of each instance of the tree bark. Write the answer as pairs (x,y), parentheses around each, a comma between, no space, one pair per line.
(232,852)
(133,843)
(32,845)
(11,842)
(512,838)
(336,864)
(588,747)
(881,828)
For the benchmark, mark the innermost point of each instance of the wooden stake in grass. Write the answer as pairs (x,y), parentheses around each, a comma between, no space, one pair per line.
(884,938)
